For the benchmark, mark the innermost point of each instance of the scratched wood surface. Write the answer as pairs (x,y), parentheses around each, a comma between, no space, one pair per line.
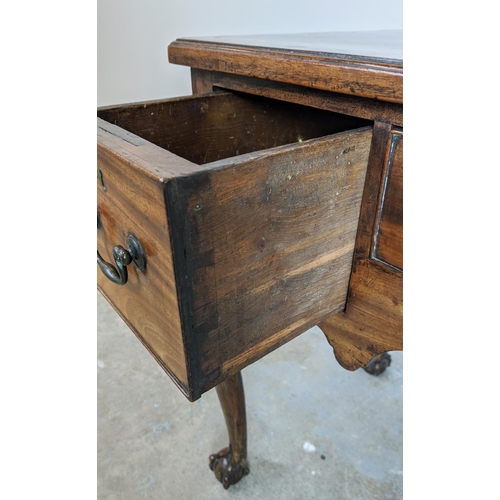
(364,64)
(265,244)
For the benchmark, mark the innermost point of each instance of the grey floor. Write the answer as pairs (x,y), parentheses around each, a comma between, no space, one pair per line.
(316,431)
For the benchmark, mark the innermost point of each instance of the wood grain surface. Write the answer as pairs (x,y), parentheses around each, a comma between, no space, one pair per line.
(324,66)
(264,247)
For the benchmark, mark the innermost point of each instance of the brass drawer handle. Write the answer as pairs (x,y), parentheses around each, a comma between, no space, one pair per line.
(123,258)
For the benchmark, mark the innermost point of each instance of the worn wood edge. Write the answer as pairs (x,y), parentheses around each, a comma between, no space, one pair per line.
(176,205)
(320,99)
(337,75)
(163,100)
(394,63)
(119,142)
(166,369)
(363,356)
(235,160)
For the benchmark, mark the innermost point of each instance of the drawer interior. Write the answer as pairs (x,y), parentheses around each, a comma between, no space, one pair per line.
(211,127)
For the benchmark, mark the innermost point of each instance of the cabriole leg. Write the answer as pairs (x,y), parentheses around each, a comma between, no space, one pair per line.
(230,464)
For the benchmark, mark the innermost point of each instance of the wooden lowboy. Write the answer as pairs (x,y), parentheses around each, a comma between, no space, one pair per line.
(270,201)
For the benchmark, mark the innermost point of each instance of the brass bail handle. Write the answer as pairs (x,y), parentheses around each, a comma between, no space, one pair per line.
(122,257)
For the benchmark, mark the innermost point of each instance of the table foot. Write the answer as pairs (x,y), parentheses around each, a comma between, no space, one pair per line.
(226,469)
(378,364)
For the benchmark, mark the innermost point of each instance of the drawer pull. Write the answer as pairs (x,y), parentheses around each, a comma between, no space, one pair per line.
(123,258)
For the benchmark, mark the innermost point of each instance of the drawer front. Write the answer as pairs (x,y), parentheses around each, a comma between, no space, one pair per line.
(132,202)
(389,237)
(243,253)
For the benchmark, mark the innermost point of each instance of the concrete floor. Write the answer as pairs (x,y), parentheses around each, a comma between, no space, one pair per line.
(316,431)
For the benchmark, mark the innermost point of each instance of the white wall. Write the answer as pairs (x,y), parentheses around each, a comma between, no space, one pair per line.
(133,35)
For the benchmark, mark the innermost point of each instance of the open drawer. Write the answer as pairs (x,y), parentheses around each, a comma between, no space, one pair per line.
(238,215)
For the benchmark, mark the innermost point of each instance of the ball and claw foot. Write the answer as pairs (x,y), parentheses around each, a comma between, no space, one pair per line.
(378,364)
(227,470)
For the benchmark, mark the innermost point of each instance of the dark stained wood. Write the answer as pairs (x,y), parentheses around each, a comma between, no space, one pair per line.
(338,103)
(208,128)
(230,464)
(201,81)
(372,191)
(388,245)
(378,364)
(378,46)
(330,68)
